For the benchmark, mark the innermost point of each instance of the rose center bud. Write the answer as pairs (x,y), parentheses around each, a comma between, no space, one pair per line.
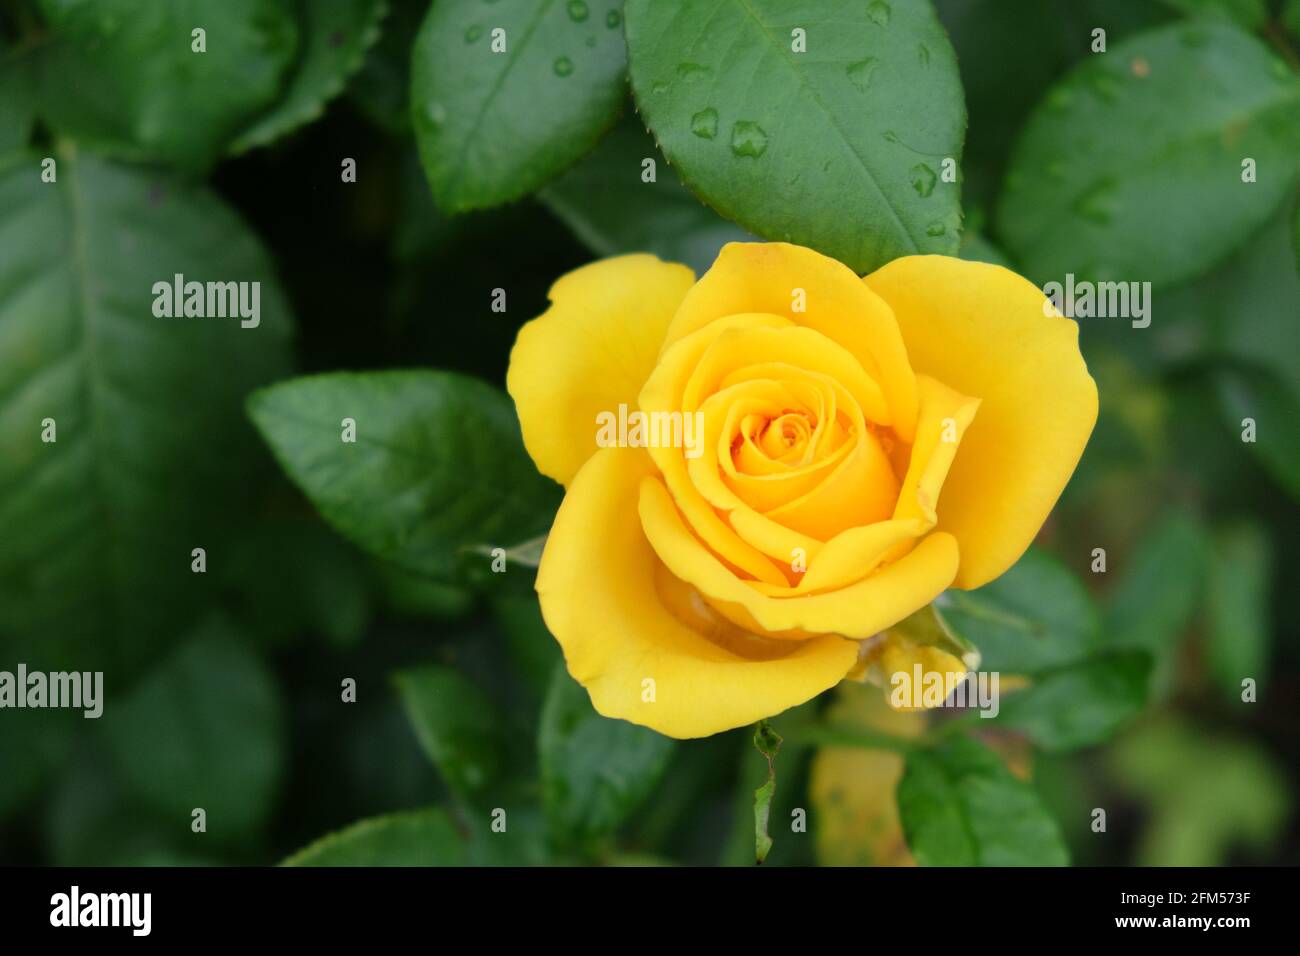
(785,438)
(816,468)
(860,487)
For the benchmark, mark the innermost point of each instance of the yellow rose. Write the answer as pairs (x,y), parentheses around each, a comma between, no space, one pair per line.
(717,567)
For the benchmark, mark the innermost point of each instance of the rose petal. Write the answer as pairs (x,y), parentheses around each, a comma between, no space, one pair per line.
(981,329)
(859,610)
(597,584)
(763,277)
(590,352)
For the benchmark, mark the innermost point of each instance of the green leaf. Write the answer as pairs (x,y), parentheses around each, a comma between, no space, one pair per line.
(1131,167)
(1038,621)
(382,87)
(1245,312)
(595,770)
(1035,617)
(1080,705)
(429,837)
(437,466)
(91,820)
(1239,628)
(608,205)
(1252,311)
(1296,237)
(1159,586)
(1151,607)
(416,838)
(1207,794)
(840,148)
(18,84)
(1291,17)
(1251,14)
(457,726)
(1261,393)
(767,742)
(206,729)
(1042,38)
(961,807)
(153,452)
(122,74)
(494,126)
(333,40)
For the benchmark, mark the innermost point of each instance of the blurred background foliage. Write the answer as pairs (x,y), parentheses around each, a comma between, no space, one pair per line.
(224,689)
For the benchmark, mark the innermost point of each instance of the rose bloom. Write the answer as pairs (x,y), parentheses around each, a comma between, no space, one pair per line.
(866,443)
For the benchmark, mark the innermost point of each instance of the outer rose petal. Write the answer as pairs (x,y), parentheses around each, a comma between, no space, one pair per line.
(591,351)
(599,598)
(980,329)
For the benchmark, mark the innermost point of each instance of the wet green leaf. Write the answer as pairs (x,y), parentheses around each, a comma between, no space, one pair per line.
(1168,204)
(841,147)
(504,97)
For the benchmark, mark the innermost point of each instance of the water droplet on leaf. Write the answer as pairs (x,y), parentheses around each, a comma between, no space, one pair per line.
(748,139)
(935,228)
(923,179)
(563,66)
(613,19)
(860,73)
(1098,203)
(577,10)
(473,33)
(878,12)
(704,124)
